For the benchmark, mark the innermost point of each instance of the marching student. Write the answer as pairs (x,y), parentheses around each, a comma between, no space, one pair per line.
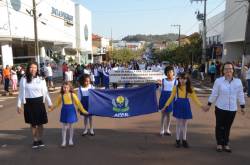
(83,95)
(68,112)
(32,94)
(182,109)
(167,85)
(227,91)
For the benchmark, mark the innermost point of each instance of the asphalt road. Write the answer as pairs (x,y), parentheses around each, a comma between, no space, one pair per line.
(130,141)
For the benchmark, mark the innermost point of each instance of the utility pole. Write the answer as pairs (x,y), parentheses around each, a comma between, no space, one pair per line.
(179,26)
(203,18)
(35,33)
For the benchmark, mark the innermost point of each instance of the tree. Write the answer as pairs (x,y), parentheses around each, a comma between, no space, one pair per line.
(186,54)
(125,55)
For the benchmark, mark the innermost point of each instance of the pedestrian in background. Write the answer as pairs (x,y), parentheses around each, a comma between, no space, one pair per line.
(14,79)
(212,72)
(6,77)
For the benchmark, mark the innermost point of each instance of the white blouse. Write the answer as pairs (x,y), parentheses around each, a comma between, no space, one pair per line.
(169,85)
(85,91)
(225,94)
(36,88)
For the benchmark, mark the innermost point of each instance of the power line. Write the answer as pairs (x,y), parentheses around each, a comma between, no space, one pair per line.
(211,11)
(216,7)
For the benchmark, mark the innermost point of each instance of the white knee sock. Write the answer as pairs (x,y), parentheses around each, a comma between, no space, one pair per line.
(64,133)
(71,134)
(178,129)
(168,122)
(85,127)
(184,129)
(91,124)
(163,118)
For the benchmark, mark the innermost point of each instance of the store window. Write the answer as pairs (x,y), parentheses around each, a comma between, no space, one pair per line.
(89,56)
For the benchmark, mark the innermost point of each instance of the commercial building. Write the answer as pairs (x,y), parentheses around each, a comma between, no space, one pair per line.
(64,30)
(229,30)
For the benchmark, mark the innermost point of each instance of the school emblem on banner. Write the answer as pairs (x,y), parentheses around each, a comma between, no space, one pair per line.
(120,104)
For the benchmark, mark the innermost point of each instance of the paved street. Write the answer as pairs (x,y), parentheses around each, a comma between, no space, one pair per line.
(121,141)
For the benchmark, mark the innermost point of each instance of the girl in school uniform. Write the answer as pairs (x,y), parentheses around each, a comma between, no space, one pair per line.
(83,95)
(68,112)
(182,110)
(167,85)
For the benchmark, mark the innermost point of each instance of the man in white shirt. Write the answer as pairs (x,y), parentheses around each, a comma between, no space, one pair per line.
(227,90)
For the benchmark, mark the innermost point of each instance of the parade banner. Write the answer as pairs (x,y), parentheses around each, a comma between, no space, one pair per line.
(134,76)
(123,103)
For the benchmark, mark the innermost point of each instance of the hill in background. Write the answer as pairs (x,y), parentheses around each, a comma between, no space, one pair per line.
(152,38)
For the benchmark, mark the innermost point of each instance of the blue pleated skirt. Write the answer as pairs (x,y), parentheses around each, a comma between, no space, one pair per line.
(163,99)
(68,114)
(182,109)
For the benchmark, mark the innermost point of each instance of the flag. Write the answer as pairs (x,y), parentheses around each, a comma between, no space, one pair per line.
(123,103)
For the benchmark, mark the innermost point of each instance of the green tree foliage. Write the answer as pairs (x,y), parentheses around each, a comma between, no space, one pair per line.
(125,55)
(152,38)
(186,54)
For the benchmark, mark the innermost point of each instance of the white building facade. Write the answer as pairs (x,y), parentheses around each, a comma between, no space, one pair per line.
(229,29)
(57,23)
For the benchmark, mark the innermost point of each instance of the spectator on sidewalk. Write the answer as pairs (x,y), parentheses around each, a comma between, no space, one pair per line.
(202,71)
(218,69)
(14,79)
(212,72)
(6,76)
(49,75)
(64,69)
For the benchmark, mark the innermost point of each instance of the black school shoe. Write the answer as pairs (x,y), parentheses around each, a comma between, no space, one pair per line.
(178,144)
(219,148)
(35,145)
(40,143)
(185,144)
(227,149)
(168,134)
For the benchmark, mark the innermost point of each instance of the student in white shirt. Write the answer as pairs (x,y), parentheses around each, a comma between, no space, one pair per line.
(32,93)
(227,90)
(68,76)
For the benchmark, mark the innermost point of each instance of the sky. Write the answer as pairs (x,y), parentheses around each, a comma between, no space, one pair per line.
(130,17)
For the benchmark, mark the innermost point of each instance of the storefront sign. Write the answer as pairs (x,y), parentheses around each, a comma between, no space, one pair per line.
(61,14)
(134,76)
